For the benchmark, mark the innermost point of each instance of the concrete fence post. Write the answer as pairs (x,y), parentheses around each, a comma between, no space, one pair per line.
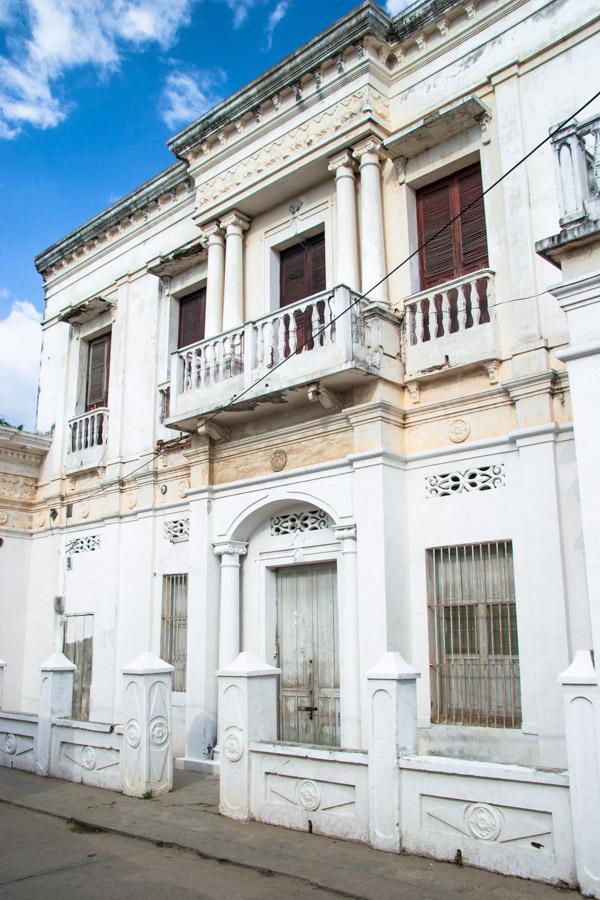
(581,696)
(147,759)
(2,668)
(392,732)
(247,712)
(56,701)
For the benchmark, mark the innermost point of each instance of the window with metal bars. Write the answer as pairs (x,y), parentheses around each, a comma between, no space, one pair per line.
(173,630)
(474,646)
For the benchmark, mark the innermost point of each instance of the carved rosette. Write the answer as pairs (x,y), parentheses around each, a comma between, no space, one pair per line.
(309,795)
(233,747)
(159,732)
(89,758)
(483,821)
(10,744)
(133,733)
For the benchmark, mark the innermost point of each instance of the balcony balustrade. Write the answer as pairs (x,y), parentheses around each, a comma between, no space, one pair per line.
(451,324)
(87,435)
(286,348)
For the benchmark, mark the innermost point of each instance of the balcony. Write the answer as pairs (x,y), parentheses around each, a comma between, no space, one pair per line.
(281,352)
(451,325)
(577,159)
(86,443)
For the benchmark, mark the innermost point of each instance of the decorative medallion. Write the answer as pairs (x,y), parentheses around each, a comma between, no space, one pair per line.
(234,749)
(131,500)
(459,431)
(309,795)
(3,517)
(88,758)
(84,509)
(10,744)
(278,460)
(133,733)
(159,733)
(182,487)
(483,821)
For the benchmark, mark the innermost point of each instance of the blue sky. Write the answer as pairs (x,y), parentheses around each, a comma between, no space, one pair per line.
(89,92)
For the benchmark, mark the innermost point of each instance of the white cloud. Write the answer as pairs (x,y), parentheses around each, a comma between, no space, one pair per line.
(49,37)
(393,7)
(240,10)
(188,94)
(20,343)
(275,17)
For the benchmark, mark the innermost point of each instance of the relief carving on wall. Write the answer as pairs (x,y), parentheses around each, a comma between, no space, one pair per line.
(17,487)
(311,795)
(362,102)
(489,822)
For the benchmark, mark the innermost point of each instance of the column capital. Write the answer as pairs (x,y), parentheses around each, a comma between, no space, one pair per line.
(213,233)
(345,532)
(369,151)
(230,548)
(343,160)
(235,221)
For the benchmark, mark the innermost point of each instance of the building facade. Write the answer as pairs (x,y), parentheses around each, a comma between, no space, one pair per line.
(295,416)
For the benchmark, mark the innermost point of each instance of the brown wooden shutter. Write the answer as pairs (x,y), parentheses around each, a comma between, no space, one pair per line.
(292,275)
(474,252)
(315,257)
(97,377)
(192,311)
(434,210)
(462,247)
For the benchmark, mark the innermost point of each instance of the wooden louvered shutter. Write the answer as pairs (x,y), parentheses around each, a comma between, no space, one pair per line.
(292,275)
(462,247)
(473,237)
(315,260)
(192,310)
(434,210)
(97,374)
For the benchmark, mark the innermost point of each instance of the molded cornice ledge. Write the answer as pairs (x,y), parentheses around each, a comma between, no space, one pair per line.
(567,354)
(534,434)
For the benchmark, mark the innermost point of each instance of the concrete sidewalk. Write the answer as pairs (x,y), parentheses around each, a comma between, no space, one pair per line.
(188,818)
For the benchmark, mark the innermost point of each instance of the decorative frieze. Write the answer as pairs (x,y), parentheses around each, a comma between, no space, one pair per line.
(292,523)
(365,100)
(482,478)
(17,487)
(177,530)
(83,544)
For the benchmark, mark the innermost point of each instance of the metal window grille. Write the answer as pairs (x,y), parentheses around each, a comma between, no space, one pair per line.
(473,642)
(173,631)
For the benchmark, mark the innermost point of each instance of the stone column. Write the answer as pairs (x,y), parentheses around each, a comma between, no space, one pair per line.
(214,279)
(346,233)
(56,700)
(147,760)
(393,731)
(234,223)
(372,246)
(349,644)
(581,697)
(247,712)
(229,617)
(2,668)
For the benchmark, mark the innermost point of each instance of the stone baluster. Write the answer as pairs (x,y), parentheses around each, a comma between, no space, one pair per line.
(461,306)
(147,760)
(234,223)
(229,621)
(432,318)
(372,246)
(214,279)
(346,232)
(293,335)
(281,337)
(446,317)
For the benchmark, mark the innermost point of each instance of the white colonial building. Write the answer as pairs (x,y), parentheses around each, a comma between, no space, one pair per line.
(305,436)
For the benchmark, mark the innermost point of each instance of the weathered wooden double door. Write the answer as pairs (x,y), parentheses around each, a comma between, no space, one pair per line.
(308,655)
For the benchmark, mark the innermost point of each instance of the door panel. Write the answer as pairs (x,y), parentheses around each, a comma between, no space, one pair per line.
(78,647)
(307,640)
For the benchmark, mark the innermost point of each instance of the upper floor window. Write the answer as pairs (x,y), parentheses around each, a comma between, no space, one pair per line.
(192,311)
(96,394)
(474,645)
(462,247)
(302,270)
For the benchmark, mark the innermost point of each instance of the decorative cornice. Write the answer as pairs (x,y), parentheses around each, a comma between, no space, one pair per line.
(367,20)
(29,446)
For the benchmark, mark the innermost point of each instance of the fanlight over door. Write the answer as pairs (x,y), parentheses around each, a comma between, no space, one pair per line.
(307,642)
